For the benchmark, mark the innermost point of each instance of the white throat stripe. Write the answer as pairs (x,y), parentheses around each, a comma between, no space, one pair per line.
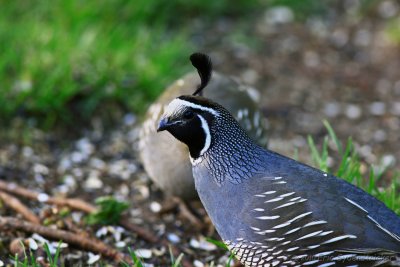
(206,129)
(177,103)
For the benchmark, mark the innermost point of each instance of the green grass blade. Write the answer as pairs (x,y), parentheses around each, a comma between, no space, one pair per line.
(333,136)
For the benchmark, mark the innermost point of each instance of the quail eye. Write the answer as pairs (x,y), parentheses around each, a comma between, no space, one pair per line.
(188,114)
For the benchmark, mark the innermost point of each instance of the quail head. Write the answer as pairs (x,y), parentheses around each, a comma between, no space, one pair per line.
(165,159)
(271,210)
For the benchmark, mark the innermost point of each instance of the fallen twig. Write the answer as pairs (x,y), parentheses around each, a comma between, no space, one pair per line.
(73,203)
(76,204)
(17,205)
(140,231)
(186,213)
(79,241)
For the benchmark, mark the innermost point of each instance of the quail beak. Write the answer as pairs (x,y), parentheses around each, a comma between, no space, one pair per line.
(165,123)
(162,125)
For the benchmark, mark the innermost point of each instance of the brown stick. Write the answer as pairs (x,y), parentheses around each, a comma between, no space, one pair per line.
(140,231)
(17,205)
(76,204)
(73,203)
(79,241)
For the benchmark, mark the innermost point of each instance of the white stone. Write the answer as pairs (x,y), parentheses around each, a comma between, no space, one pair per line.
(120,244)
(202,244)
(377,108)
(42,197)
(41,169)
(198,263)
(129,119)
(32,244)
(155,207)
(332,109)
(93,258)
(173,238)
(143,253)
(353,111)
(93,182)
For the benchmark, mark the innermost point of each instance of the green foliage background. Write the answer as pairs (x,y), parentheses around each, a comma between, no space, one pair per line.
(64,60)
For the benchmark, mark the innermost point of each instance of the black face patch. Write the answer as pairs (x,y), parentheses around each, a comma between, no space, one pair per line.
(191,133)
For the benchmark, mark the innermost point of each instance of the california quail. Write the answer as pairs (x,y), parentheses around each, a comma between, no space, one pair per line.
(173,174)
(271,210)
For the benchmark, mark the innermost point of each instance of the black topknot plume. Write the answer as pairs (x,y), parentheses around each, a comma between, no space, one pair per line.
(203,64)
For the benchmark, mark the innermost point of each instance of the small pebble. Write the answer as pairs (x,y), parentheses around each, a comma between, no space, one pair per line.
(143,253)
(340,37)
(42,197)
(311,59)
(32,244)
(388,160)
(97,163)
(120,244)
(202,244)
(40,169)
(27,152)
(52,247)
(379,135)
(173,238)
(62,245)
(102,231)
(129,119)
(198,263)
(362,38)
(155,207)
(332,109)
(93,258)
(250,76)
(395,110)
(85,146)
(77,157)
(353,111)
(93,182)
(76,216)
(159,252)
(39,238)
(65,164)
(377,108)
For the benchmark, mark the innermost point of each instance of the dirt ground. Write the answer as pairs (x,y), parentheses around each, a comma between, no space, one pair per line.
(343,68)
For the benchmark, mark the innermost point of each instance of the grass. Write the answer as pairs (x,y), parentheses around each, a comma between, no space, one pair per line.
(83,53)
(350,168)
(109,211)
(66,60)
(30,261)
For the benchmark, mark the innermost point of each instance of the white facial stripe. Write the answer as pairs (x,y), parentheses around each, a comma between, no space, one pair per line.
(178,104)
(206,130)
